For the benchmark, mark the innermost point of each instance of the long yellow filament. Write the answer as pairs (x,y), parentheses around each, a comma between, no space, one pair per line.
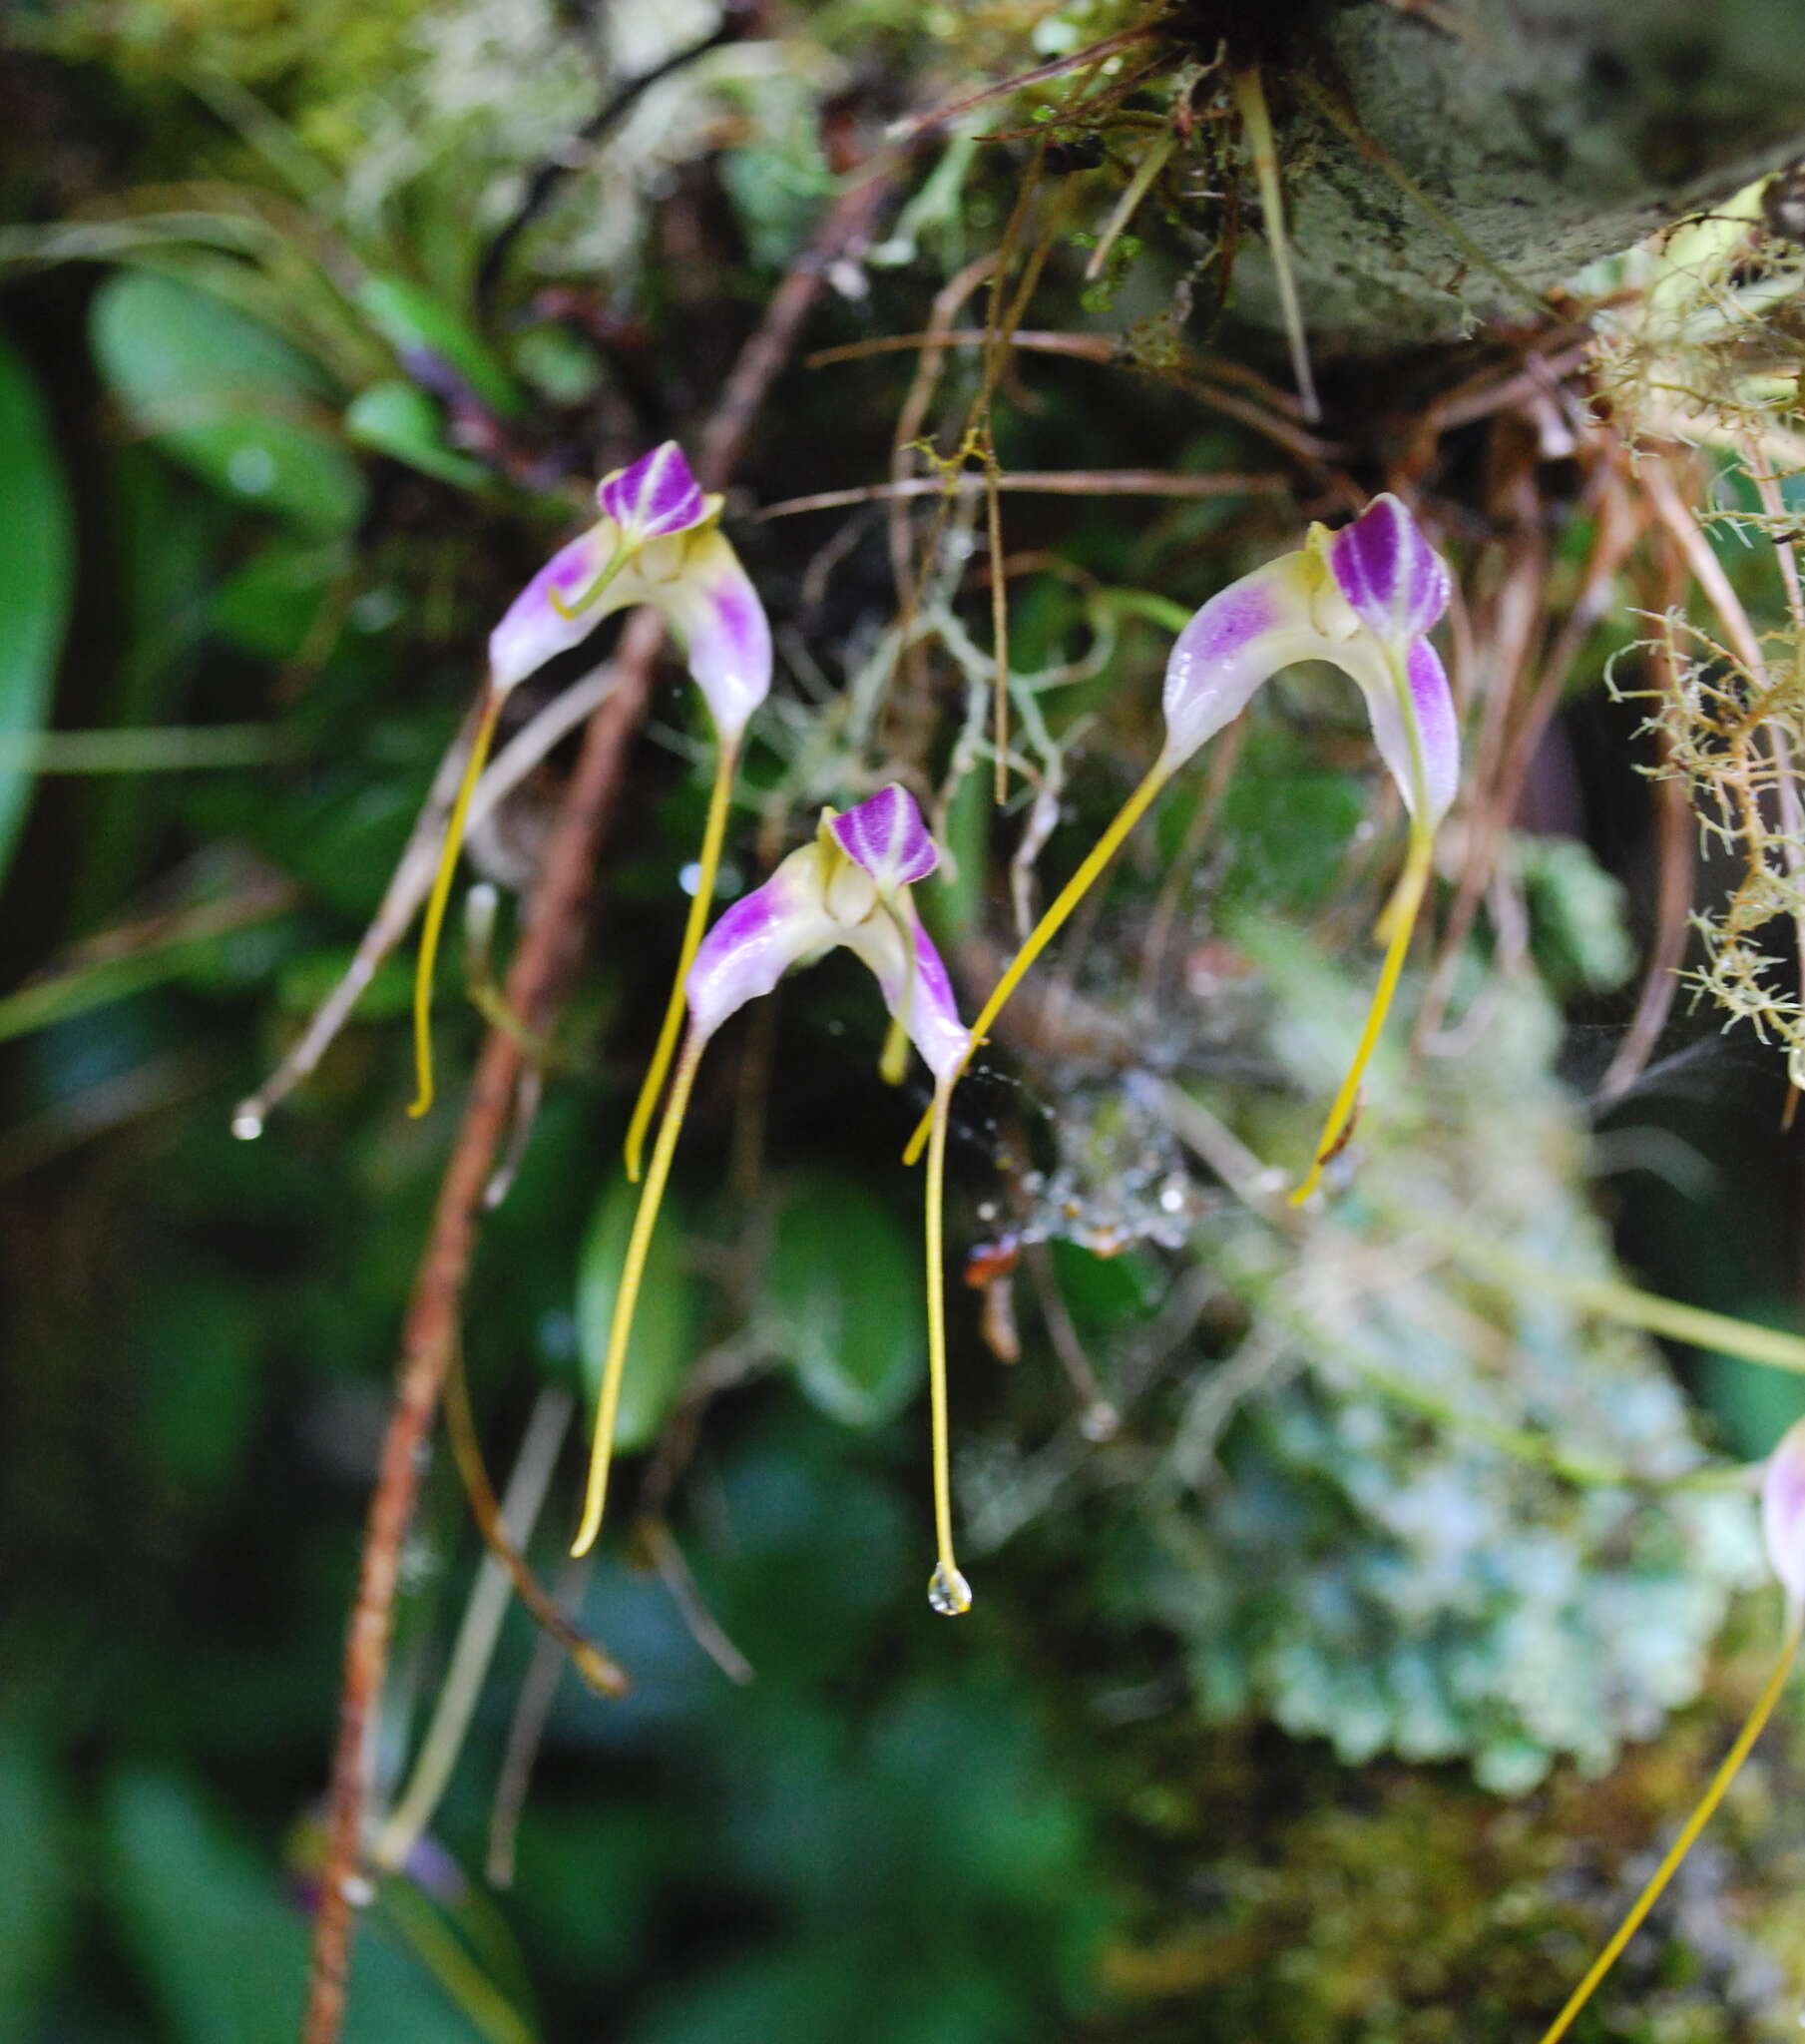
(948,1592)
(1397,923)
(1707,1802)
(441,893)
(714,831)
(1043,933)
(627,1296)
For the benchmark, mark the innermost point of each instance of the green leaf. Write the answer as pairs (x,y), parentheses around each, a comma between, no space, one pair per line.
(846,1300)
(271,605)
(400,420)
(36,574)
(413,320)
(227,398)
(1104,1295)
(224,1955)
(36,1865)
(664,1326)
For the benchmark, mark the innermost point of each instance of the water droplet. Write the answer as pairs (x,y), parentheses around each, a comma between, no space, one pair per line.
(1100,1422)
(690,877)
(358,1891)
(251,470)
(949,1593)
(247,1125)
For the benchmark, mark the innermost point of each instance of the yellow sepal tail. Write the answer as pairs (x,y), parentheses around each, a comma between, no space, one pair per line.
(441,893)
(1043,933)
(1707,1802)
(619,1330)
(953,1595)
(714,833)
(1397,923)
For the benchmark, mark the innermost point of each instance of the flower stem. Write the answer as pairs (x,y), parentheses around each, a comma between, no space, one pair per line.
(1397,923)
(441,893)
(632,1272)
(714,831)
(1701,1816)
(1043,933)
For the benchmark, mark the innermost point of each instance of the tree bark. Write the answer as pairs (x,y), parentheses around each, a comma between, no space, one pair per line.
(1548,132)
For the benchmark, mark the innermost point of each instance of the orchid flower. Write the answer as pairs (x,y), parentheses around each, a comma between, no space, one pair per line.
(1783,1530)
(849,886)
(1365,599)
(656,542)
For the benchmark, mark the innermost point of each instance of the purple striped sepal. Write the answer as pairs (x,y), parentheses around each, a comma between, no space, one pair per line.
(654,497)
(889,838)
(827,894)
(1364,597)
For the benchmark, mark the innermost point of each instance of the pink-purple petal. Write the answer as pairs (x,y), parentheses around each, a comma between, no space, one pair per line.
(654,497)
(1438,729)
(1243,635)
(533,628)
(1412,715)
(1783,1513)
(714,610)
(887,836)
(932,1019)
(1396,582)
(758,940)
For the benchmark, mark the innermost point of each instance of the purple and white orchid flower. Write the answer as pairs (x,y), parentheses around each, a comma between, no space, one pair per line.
(656,542)
(1783,1529)
(849,886)
(1364,597)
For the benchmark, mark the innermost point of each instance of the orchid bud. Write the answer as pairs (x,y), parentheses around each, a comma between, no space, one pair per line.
(1364,599)
(848,887)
